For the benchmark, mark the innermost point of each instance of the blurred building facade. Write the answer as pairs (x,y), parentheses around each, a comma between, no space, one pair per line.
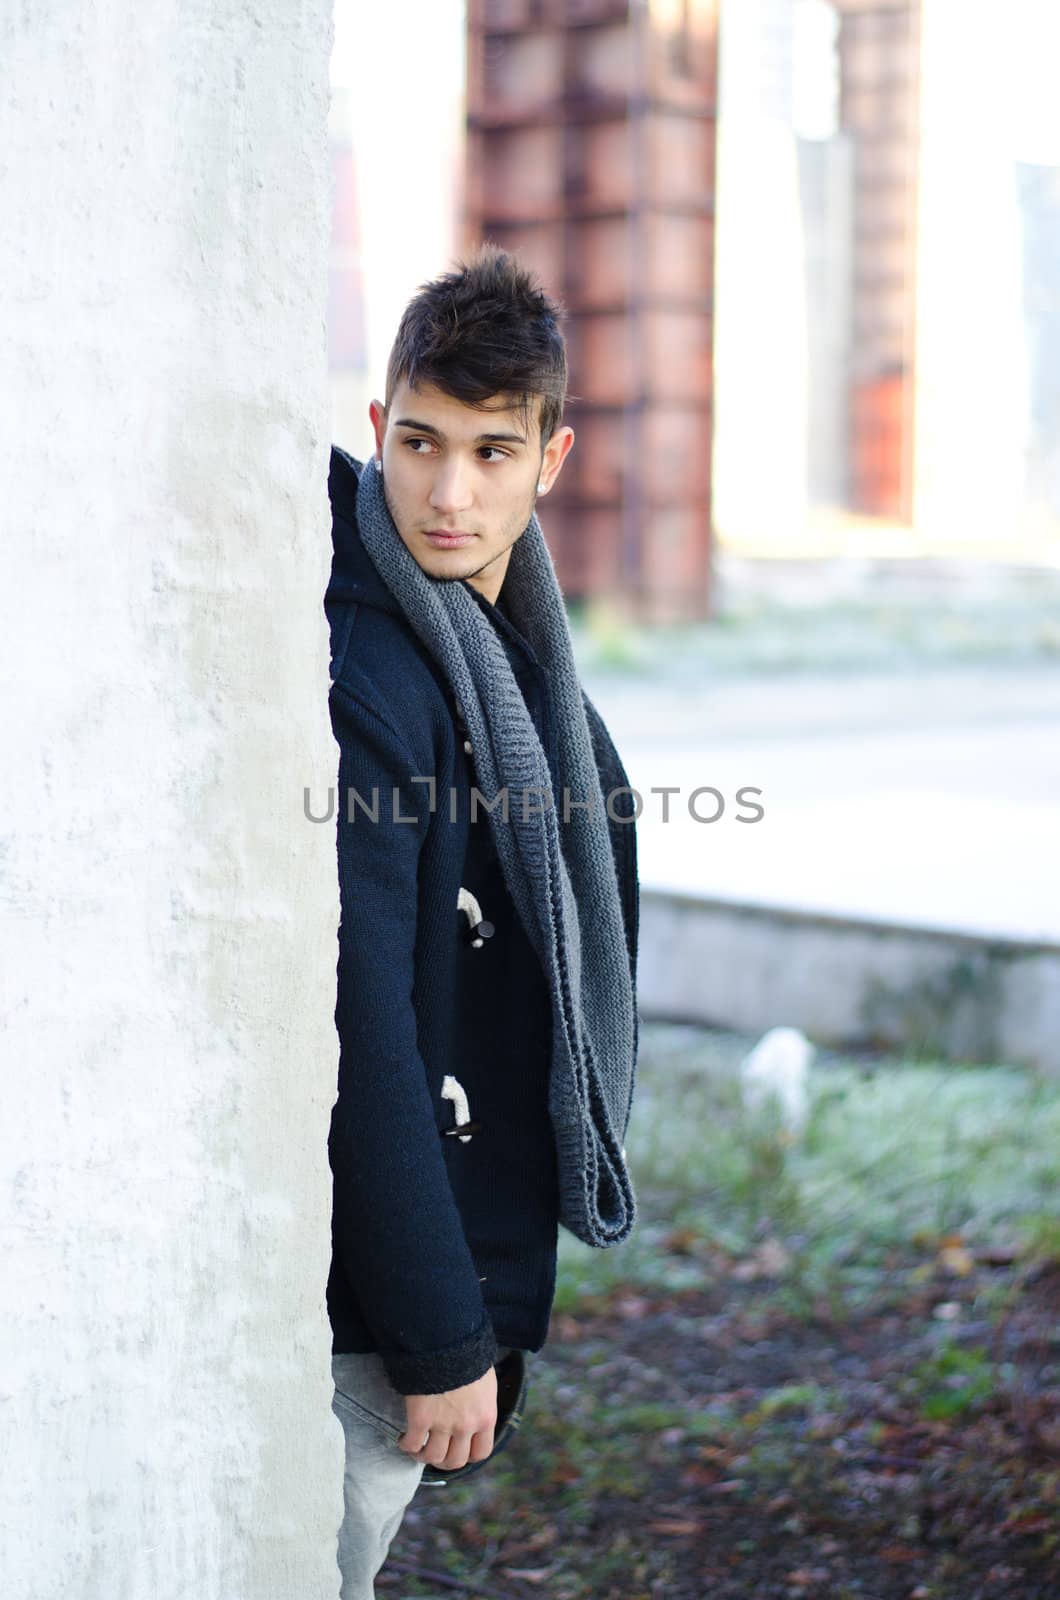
(858,360)
(591,151)
(397,147)
(817,186)
(879,80)
(884,322)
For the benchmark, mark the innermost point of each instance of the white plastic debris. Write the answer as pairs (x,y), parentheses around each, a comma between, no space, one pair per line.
(775,1072)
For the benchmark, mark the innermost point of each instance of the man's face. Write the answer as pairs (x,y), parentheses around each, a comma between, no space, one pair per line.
(459,469)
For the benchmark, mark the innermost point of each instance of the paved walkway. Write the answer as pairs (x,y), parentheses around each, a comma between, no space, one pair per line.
(929,798)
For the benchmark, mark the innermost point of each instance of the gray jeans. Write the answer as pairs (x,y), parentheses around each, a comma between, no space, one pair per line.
(380,1479)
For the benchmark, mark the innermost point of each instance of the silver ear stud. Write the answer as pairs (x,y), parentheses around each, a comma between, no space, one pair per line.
(377,464)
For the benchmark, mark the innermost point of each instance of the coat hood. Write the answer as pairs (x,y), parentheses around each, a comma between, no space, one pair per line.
(353,574)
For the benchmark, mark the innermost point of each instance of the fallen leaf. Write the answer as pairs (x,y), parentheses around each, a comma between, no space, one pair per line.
(528,1574)
(564,1326)
(956,1260)
(898,1553)
(675,1529)
(518,1549)
(770,1260)
(1028,1522)
(632,1307)
(543,1536)
(681,1242)
(773,1257)
(745,1271)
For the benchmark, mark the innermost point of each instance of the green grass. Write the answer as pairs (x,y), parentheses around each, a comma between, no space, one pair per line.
(894,1155)
(629,1442)
(1015,623)
(955,1379)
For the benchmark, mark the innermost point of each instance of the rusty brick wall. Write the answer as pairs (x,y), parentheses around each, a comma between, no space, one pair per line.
(591,151)
(880,89)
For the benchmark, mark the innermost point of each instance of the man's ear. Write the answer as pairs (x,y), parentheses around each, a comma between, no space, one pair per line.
(555,454)
(377,412)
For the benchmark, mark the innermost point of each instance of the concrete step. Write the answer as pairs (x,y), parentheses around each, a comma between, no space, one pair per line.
(850,982)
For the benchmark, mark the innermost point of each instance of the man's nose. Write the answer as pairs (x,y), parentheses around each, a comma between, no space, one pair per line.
(451,489)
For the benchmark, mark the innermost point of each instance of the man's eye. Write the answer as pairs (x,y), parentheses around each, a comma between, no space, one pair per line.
(412,443)
(493,453)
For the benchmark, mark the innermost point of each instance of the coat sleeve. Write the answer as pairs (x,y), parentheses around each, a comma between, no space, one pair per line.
(398,1232)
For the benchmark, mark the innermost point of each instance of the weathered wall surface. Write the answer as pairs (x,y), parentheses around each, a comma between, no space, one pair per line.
(168,929)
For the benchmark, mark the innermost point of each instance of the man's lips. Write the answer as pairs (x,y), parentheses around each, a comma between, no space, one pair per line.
(447,540)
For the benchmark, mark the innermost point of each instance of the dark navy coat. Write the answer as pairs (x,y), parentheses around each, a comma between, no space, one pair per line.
(444,1245)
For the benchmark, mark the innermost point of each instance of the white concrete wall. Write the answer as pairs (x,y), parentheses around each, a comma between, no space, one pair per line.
(972,413)
(168,928)
(760,336)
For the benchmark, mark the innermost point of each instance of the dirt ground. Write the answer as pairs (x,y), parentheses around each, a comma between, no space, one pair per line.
(825,1368)
(714,1443)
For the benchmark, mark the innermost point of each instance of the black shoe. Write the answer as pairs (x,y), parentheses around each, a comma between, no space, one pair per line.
(512,1384)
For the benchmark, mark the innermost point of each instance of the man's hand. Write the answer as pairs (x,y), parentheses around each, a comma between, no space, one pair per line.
(460,1423)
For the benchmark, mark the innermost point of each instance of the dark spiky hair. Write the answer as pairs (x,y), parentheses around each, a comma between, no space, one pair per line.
(485,330)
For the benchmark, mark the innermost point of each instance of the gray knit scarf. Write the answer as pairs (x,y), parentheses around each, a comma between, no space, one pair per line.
(561,875)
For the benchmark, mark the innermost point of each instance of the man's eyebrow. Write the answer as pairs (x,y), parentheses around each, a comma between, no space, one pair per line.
(483,438)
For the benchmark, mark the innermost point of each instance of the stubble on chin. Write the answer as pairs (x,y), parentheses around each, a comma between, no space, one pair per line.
(411,543)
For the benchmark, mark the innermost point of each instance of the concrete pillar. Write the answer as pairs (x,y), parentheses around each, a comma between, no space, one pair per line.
(760,341)
(169,916)
(972,401)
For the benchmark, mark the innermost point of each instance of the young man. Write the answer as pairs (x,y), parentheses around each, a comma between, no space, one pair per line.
(486,1003)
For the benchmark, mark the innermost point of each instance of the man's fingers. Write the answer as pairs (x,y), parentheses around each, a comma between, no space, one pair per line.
(455,1455)
(449,1451)
(413,1441)
(434,1450)
(466,1447)
(482,1445)
(459,1424)
(437,1449)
